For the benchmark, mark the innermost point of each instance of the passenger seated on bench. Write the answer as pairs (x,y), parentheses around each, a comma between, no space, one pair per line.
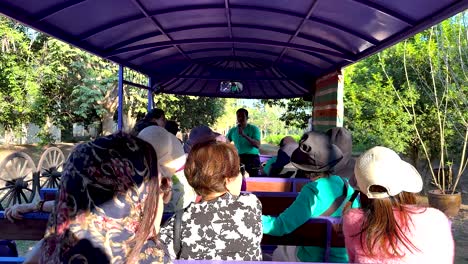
(171,160)
(155,117)
(201,133)
(109,206)
(275,167)
(325,195)
(224,225)
(389,227)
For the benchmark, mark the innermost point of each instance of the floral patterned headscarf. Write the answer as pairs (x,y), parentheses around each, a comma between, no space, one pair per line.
(101,203)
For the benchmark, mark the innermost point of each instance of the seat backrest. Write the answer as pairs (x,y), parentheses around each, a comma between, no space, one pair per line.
(268,184)
(317,231)
(298,183)
(274,203)
(31,227)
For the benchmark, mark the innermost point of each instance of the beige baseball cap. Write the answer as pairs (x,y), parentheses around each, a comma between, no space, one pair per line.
(383,167)
(169,151)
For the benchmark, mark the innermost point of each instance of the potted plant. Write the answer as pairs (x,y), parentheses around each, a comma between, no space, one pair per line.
(445,91)
(436,85)
(446,198)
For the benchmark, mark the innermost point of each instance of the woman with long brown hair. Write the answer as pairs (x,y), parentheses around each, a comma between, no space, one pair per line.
(390,227)
(109,206)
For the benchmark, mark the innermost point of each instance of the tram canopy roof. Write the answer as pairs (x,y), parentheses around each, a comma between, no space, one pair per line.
(274,48)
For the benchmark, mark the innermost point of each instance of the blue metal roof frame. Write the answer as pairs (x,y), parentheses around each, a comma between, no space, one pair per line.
(275,48)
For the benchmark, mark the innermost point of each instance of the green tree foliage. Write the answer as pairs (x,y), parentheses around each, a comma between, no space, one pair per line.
(59,72)
(375,114)
(434,65)
(191,111)
(47,81)
(372,111)
(266,117)
(228,118)
(297,114)
(95,94)
(17,75)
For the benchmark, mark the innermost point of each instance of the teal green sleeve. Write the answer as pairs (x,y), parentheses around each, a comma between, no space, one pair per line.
(268,164)
(257,134)
(356,203)
(297,214)
(229,135)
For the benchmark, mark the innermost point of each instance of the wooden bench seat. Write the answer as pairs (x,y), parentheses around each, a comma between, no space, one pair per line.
(271,184)
(31,227)
(315,232)
(181,261)
(254,184)
(274,203)
(267,184)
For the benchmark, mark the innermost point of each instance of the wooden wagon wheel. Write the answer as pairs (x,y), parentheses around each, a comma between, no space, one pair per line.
(50,168)
(17,183)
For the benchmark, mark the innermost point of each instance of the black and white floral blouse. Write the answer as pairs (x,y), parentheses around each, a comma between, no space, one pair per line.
(226,228)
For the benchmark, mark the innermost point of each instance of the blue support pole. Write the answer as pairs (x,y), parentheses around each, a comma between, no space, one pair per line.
(120,106)
(150,95)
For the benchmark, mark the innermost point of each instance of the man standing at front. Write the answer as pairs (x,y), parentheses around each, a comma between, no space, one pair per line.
(246,137)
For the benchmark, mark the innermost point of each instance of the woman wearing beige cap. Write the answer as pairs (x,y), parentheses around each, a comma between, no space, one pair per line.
(171,160)
(389,227)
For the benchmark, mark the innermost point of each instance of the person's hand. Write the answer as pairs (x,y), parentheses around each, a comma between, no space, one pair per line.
(16,211)
(166,189)
(240,130)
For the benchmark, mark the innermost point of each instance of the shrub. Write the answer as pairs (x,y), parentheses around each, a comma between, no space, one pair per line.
(275,139)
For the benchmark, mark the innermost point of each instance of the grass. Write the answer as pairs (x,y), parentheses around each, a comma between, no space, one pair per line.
(24,246)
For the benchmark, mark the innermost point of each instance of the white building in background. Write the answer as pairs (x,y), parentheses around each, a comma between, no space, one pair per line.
(92,130)
(28,135)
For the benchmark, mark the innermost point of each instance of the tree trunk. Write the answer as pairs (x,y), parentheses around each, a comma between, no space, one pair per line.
(110,104)
(129,121)
(107,123)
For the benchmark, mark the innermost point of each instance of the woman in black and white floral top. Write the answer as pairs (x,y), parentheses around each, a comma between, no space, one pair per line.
(225,225)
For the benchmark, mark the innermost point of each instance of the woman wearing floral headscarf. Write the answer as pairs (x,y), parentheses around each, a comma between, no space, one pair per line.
(109,206)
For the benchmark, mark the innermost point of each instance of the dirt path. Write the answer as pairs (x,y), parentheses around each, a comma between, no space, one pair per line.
(460,235)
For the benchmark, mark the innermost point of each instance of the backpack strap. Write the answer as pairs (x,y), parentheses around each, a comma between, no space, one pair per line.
(338,201)
(177,233)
